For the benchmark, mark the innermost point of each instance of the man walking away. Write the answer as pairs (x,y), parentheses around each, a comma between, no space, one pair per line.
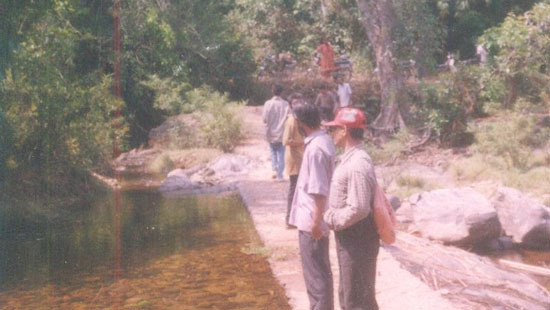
(344,91)
(294,142)
(274,116)
(308,206)
(350,213)
(326,102)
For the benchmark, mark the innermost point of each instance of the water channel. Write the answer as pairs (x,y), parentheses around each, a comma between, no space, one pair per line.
(153,252)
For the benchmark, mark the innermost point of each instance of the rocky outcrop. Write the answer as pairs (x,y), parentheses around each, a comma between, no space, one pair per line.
(464,276)
(458,216)
(216,176)
(523,218)
(177,180)
(229,164)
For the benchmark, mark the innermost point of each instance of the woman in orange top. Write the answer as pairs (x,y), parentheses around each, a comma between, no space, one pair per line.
(327,58)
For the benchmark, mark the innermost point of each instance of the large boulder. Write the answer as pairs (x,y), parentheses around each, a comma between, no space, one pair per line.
(458,216)
(229,165)
(177,180)
(523,218)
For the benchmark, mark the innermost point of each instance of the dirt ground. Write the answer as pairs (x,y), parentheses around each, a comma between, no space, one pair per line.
(265,199)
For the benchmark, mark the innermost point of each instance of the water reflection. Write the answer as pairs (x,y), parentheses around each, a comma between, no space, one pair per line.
(182,253)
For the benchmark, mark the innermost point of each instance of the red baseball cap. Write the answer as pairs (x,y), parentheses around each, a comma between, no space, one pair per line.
(349,117)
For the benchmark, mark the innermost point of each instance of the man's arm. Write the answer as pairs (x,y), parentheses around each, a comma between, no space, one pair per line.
(265,112)
(318,187)
(358,204)
(320,201)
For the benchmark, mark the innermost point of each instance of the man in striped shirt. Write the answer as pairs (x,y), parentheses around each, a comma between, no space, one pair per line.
(349,212)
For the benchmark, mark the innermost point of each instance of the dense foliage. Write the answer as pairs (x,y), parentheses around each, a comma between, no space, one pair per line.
(59,117)
(56,66)
(520,47)
(56,106)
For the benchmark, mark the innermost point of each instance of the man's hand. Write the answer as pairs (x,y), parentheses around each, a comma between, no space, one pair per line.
(316,231)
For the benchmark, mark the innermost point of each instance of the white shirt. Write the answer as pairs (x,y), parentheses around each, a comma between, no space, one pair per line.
(344,94)
(314,178)
(274,116)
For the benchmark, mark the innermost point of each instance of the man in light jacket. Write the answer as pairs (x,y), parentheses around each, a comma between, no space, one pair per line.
(274,115)
(350,212)
(309,204)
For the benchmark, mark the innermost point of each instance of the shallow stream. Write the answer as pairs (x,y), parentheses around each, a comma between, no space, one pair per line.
(150,252)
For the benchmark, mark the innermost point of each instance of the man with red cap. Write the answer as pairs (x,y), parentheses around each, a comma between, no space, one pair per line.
(349,212)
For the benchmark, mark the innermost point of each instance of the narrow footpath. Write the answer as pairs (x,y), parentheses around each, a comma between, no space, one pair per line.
(396,288)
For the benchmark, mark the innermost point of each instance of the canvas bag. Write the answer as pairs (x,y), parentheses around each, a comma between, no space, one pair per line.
(384,217)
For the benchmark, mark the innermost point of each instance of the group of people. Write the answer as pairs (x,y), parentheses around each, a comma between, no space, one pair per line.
(326,194)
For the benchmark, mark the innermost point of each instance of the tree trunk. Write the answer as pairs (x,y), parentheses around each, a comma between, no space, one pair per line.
(378,18)
(324,10)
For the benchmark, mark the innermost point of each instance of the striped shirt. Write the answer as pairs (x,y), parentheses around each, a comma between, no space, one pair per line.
(351,189)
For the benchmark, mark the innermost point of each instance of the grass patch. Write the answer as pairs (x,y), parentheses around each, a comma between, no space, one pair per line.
(408,185)
(480,168)
(161,164)
(252,249)
(411,181)
(390,151)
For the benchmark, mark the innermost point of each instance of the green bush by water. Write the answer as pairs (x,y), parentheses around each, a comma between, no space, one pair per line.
(220,125)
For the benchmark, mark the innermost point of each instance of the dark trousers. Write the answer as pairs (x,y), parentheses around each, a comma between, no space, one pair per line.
(291,189)
(316,270)
(357,249)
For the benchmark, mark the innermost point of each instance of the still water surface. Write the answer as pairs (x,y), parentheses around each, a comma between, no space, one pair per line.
(198,252)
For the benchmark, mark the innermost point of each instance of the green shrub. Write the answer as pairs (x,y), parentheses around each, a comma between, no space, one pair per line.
(492,91)
(411,181)
(518,49)
(391,150)
(511,138)
(447,105)
(161,164)
(168,93)
(220,125)
(442,112)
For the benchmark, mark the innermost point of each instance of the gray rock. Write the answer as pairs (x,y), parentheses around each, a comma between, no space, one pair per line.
(394,201)
(523,218)
(459,216)
(177,180)
(502,243)
(228,164)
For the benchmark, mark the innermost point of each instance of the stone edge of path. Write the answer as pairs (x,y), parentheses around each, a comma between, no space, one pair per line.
(265,200)
(396,288)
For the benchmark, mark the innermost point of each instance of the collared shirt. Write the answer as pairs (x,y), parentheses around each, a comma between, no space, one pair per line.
(314,178)
(344,94)
(326,100)
(351,189)
(293,157)
(274,116)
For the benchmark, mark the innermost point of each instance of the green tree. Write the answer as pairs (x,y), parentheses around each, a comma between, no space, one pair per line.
(61,119)
(521,50)
(466,20)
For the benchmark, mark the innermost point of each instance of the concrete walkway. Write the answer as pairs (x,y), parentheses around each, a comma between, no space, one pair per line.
(265,199)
